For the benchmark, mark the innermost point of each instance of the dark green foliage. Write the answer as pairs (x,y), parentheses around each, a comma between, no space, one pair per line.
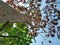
(16,35)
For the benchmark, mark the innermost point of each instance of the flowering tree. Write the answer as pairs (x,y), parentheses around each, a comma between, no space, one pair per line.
(29,13)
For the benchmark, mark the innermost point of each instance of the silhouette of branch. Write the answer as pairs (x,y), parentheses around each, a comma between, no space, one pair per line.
(4,25)
(10,36)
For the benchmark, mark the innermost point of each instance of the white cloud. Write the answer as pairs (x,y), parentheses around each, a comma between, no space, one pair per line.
(4,0)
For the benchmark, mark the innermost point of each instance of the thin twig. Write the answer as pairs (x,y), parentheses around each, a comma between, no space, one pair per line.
(10,36)
(42,36)
(42,32)
(4,26)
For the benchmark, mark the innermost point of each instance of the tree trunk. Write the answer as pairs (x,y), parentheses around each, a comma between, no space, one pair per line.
(9,14)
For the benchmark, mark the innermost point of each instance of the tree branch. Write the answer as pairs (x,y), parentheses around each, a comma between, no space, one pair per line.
(4,25)
(10,36)
(7,13)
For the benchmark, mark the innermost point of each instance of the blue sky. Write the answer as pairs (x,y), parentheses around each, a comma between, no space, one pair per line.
(55,41)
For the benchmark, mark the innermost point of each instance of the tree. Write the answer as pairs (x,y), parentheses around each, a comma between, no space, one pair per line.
(32,16)
(15,35)
(10,35)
